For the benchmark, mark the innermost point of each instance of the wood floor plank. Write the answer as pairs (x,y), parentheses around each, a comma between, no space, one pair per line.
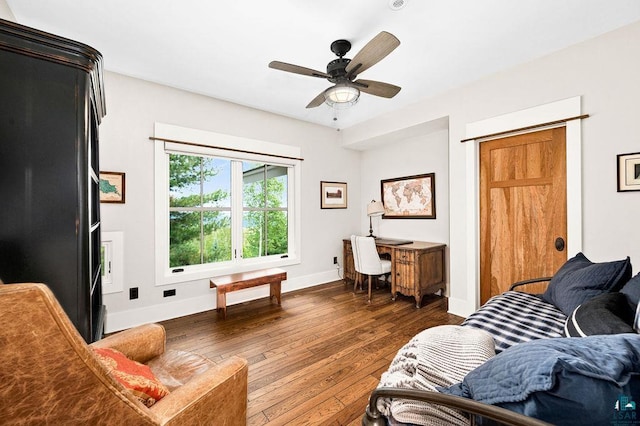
(315,359)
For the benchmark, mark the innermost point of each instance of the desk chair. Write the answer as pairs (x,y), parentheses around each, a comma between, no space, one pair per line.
(367,261)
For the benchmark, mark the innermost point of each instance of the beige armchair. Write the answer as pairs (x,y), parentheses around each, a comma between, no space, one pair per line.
(49,375)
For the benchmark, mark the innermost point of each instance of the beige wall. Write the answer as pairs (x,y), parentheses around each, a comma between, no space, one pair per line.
(604,72)
(132,108)
(5,12)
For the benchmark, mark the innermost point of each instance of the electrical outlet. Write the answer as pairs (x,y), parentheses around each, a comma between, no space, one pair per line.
(335,260)
(171,292)
(133,293)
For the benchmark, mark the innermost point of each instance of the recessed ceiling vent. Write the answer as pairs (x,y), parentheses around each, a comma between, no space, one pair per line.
(397,4)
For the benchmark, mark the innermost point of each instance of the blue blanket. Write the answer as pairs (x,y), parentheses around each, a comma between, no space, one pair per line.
(563,381)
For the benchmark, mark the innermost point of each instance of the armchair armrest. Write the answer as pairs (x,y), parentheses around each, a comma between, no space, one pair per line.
(217,396)
(531,281)
(141,343)
(373,417)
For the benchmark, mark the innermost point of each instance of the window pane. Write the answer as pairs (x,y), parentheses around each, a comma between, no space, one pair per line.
(264,189)
(253,234)
(184,239)
(199,181)
(184,180)
(258,242)
(277,187)
(217,236)
(216,186)
(277,232)
(253,179)
(264,185)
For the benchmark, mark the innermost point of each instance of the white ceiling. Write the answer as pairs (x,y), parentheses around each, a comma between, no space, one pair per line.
(222,49)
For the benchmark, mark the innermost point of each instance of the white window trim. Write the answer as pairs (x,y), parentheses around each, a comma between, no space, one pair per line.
(209,142)
(114,258)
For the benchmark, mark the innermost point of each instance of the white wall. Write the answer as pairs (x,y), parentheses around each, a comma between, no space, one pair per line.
(5,12)
(604,72)
(405,157)
(132,108)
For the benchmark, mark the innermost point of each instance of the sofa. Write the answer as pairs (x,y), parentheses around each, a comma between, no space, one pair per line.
(569,356)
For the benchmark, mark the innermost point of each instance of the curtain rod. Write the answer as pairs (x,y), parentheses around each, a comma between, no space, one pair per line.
(535,126)
(224,148)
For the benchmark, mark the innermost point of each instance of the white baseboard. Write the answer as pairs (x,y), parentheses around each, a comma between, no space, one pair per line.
(116,321)
(461,307)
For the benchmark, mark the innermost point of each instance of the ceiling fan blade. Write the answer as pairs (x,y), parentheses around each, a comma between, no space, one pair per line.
(377,88)
(296,69)
(372,53)
(317,101)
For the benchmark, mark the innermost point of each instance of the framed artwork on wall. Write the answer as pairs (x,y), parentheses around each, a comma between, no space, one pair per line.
(629,172)
(410,197)
(333,195)
(112,187)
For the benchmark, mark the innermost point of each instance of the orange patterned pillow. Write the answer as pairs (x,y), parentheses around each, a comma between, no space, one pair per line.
(133,375)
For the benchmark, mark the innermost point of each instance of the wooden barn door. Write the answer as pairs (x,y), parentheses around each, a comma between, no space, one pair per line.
(523,209)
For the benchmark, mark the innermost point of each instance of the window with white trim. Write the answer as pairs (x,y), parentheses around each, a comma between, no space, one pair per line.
(223,211)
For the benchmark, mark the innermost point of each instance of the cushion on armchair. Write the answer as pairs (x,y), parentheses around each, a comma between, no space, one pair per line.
(175,368)
(579,280)
(562,381)
(136,377)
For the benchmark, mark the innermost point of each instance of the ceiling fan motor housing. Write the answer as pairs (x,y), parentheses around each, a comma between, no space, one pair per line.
(336,69)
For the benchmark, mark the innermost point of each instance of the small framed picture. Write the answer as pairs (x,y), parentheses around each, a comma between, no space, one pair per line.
(629,172)
(112,187)
(333,195)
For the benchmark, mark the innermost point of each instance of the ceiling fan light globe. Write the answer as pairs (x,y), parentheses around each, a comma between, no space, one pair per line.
(341,96)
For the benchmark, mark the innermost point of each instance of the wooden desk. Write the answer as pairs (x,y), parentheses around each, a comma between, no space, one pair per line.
(416,269)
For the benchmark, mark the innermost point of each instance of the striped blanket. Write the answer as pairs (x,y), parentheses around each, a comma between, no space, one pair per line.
(514,317)
(438,356)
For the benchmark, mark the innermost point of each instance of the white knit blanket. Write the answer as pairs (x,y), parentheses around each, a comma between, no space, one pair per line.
(438,356)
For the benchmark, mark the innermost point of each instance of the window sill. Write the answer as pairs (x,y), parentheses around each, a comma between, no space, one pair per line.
(187,276)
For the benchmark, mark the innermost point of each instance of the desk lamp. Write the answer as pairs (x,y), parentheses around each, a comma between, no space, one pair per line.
(375,208)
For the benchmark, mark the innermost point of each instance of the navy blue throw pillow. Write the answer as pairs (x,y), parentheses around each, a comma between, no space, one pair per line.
(632,290)
(608,313)
(579,280)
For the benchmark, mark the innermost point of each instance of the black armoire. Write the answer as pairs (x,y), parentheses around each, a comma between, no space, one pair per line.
(51,103)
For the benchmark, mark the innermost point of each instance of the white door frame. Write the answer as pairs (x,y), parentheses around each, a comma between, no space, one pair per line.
(546,113)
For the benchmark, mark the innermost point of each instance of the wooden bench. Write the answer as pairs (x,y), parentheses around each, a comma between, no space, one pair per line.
(227,283)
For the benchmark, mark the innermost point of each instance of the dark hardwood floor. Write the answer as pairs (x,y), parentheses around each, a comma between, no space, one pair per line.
(315,359)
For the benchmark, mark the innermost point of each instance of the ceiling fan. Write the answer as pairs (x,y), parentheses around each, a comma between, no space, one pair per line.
(343,72)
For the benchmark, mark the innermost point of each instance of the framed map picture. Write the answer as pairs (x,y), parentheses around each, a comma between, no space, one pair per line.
(410,197)
(112,187)
(333,195)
